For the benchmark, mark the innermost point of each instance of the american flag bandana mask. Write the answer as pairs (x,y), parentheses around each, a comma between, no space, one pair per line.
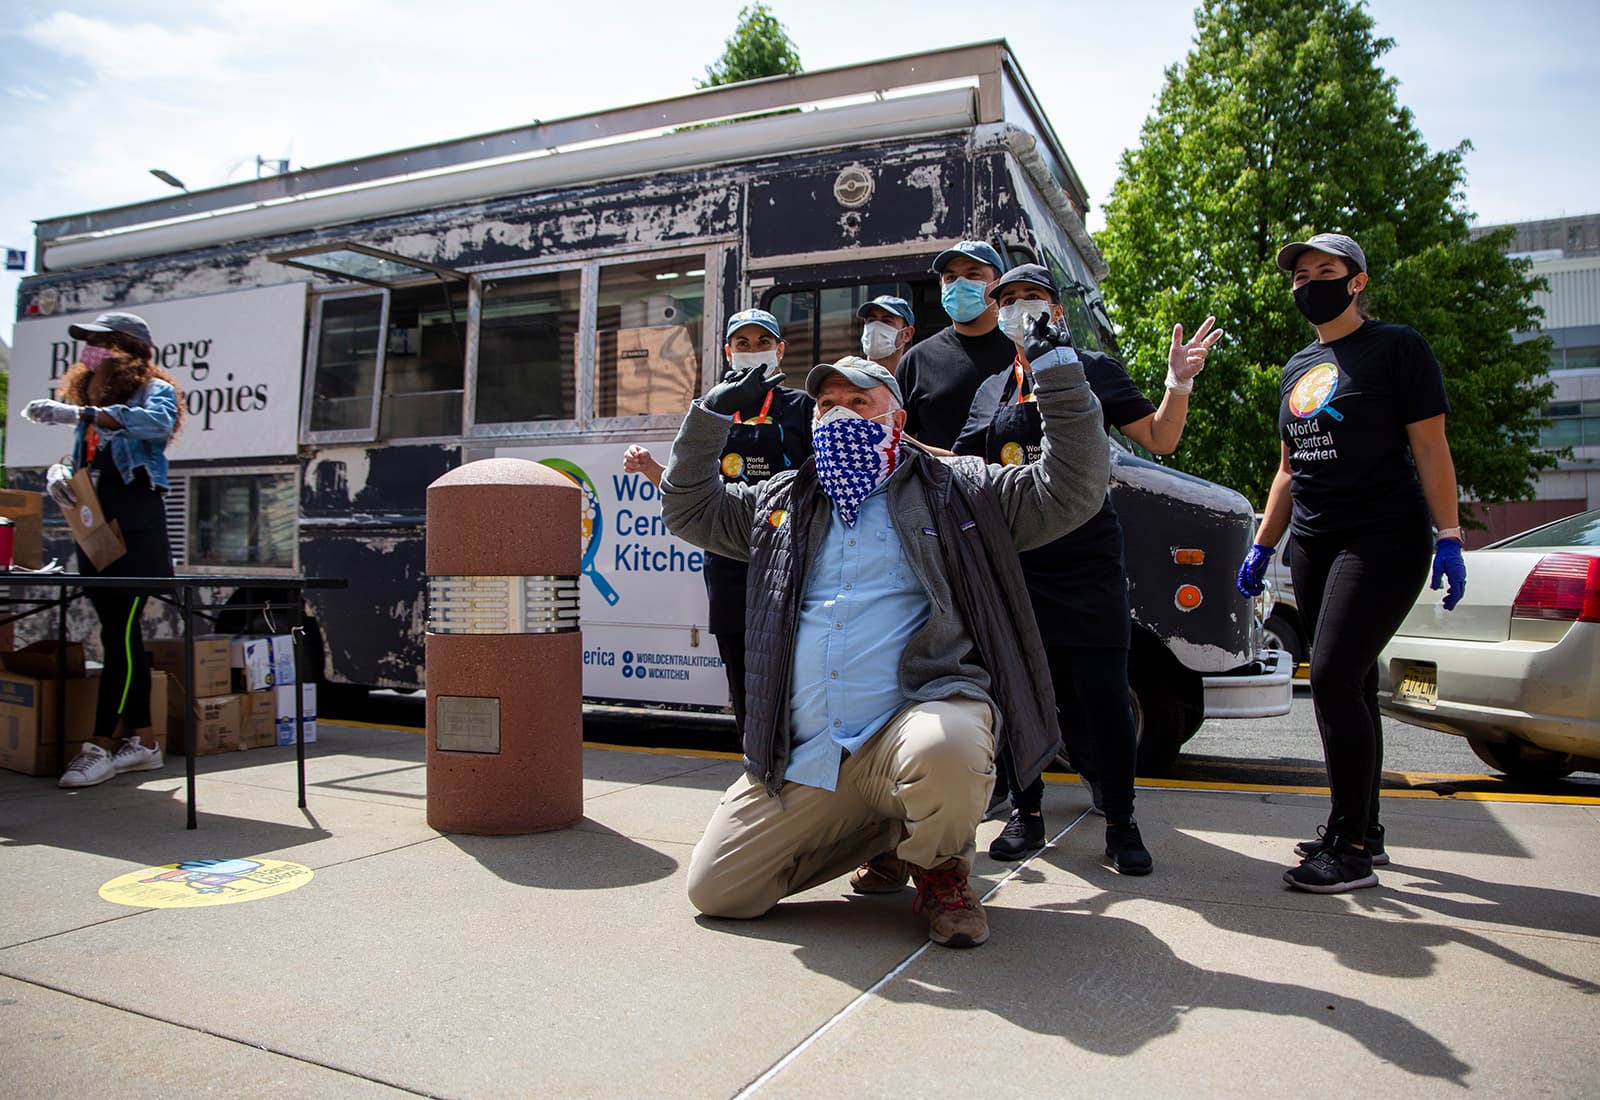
(853,456)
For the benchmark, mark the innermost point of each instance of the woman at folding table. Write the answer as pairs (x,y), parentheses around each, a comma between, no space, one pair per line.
(126,410)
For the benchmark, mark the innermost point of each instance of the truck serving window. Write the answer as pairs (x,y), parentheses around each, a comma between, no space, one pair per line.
(423,363)
(649,329)
(528,348)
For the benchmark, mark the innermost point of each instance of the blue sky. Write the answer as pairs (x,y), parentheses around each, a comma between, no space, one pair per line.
(94,94)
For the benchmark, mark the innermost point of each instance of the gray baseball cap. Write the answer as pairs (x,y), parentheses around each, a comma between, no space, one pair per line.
(125,323)
(1334,244)
(975,250)
(890,304)
(858,372)
(758,317)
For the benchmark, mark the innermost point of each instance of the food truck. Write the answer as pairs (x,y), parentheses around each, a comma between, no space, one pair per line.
(346,334)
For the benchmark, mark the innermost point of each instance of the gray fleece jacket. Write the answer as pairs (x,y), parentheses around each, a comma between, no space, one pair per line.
(1040,502)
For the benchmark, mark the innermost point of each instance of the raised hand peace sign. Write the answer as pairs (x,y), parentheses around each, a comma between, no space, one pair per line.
(1185,360)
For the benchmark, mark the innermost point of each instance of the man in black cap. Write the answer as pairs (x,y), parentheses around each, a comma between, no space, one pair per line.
(888,327)
(892,642)
(940,375)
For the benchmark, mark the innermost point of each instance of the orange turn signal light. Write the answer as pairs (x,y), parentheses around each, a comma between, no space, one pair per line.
(1185,556)
(1188,597)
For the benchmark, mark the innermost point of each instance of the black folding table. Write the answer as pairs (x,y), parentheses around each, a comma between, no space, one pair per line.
(178,591)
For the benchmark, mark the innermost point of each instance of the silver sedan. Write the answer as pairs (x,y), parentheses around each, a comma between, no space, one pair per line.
(1515,668)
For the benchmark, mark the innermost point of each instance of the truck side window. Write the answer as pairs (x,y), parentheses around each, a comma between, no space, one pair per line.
(648,335)
(528,349)
(820,324)
(348,340)
(422,365)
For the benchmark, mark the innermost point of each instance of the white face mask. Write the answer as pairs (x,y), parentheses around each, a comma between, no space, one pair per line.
(879,339)
(744,360)
(1017,317)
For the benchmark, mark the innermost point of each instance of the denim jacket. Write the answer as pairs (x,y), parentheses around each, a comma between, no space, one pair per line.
(147,422)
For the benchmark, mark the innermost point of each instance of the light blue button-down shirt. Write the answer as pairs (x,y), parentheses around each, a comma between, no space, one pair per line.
(862,604)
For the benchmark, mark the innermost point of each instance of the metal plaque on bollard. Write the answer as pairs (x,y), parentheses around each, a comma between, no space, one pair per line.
(467,724)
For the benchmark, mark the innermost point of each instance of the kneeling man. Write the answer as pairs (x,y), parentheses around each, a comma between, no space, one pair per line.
(889,636)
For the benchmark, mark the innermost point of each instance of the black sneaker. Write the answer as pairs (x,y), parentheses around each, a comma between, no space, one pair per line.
(1335,869)
(1375,852)
(1024,833)
(1126,851)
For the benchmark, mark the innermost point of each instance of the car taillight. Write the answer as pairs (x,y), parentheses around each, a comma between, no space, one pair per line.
(1561,586)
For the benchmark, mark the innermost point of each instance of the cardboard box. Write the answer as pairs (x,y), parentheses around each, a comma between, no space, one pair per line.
(260,728)
(282,660)
(285,705)
(251,659)
(26,511)
(39,660)
(212,655)
(28,719)
(100,541)
(218,721)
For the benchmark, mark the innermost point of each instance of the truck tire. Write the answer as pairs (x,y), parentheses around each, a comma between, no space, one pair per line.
(1283,634)
(1522,761)
(1159,721)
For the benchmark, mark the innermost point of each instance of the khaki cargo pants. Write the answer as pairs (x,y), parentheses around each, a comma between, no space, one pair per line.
(919,787)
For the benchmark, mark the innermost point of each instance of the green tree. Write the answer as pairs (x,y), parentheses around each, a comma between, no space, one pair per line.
(759,47)
(1281,123)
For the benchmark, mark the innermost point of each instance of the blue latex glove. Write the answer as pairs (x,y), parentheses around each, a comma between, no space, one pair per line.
(1254,570)
(1448,566)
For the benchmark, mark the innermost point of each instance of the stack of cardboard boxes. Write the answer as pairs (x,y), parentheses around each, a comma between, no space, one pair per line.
(244,698)
(28,706)
(241,689)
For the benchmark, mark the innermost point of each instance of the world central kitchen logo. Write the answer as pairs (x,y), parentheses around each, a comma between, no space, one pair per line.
(639,541)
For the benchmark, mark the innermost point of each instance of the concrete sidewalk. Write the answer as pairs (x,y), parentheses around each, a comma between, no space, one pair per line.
(570,964)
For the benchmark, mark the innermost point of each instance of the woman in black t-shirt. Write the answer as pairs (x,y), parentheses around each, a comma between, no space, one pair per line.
(1364,461)
(1076,583)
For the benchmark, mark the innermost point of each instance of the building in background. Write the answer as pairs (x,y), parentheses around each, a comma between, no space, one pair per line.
(1566,254)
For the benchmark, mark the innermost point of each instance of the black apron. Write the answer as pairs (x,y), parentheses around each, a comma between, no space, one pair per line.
(1077,583)
(757,448)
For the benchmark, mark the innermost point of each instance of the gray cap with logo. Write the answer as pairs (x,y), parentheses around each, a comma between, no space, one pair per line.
(126,324)
(1334,244)
(863,373)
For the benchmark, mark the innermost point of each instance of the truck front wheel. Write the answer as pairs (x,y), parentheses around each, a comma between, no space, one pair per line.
(1158,716)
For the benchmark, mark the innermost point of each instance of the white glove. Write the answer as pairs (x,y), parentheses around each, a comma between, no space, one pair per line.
(55,483)
(46,411)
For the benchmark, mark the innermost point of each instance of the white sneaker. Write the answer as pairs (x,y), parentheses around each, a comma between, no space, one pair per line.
(131,756)
(92,765)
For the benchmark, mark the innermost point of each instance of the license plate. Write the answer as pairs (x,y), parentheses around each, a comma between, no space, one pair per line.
(1417,685)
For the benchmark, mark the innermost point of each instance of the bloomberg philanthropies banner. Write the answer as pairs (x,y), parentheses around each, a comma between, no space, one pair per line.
(236,357)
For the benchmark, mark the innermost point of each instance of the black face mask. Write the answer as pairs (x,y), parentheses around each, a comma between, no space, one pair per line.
(1321,300)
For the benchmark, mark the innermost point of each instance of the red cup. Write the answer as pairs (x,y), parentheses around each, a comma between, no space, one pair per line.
(8,531)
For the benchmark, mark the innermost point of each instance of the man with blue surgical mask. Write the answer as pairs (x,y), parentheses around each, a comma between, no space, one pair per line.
(940,375)
(888,330)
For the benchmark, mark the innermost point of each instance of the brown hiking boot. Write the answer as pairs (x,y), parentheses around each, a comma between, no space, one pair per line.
(882,874)
(955,916)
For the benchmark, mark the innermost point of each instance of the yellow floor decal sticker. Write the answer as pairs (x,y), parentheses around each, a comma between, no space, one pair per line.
(198,882)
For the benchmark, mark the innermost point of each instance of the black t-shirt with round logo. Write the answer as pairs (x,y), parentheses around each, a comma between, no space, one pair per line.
(766,439)
(1343,415)
(1077,583)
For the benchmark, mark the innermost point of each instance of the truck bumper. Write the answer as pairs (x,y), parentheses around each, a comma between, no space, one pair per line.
(1261,690)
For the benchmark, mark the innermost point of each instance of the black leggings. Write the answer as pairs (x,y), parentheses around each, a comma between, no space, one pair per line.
(731,645)
(1354,591)
(1092,700)
(125,680)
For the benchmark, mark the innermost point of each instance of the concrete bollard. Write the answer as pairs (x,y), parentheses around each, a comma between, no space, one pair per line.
(503,651)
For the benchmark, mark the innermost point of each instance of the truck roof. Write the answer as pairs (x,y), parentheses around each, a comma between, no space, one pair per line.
(920,93)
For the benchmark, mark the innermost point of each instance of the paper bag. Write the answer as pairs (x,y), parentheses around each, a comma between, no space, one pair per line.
(101,542)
